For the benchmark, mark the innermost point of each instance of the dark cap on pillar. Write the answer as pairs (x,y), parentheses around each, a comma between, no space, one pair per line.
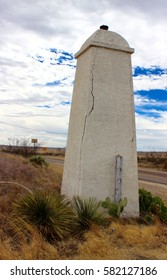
(104,27)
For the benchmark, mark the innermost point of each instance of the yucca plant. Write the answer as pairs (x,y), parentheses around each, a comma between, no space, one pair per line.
(88,211)
(49,213)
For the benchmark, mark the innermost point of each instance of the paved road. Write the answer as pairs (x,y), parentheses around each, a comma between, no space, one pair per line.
(54,160)
(143,174)
(155,176)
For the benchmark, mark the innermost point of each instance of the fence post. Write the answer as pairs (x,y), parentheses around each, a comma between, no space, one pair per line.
(118,178)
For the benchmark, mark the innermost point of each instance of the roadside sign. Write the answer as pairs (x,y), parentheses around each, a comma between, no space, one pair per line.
(34,140)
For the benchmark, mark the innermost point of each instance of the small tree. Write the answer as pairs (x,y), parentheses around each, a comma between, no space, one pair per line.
(21,146)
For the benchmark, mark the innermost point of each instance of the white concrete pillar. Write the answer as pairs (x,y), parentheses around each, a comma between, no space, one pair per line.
(102,122)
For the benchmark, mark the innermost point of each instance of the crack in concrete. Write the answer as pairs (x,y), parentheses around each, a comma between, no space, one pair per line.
(93,97)
(92,81)
(92,107)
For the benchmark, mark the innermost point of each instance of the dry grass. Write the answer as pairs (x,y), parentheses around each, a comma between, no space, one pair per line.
(157,160)
(125,241)
(121,240)
(117,242)
(20,171)
(35,249)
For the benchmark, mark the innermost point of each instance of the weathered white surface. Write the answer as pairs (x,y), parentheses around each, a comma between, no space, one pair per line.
(118,178)
(102,123)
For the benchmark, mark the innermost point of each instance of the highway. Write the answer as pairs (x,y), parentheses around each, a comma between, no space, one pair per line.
(154,176)
(144,174)
(54,160)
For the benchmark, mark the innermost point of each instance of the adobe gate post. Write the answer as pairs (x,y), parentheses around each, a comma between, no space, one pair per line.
(102,122)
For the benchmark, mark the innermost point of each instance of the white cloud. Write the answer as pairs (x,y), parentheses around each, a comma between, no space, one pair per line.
(150,82)
(30,28)
(151,132)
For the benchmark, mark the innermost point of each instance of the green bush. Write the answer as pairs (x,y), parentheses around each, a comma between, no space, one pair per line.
(88,211)
(152,205)
(114,209)
(38,160)
(49,213)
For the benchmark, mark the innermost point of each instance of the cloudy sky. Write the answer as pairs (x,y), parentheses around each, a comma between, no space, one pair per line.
(38,40)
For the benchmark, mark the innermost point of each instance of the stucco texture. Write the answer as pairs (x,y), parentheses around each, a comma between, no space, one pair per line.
(102,122)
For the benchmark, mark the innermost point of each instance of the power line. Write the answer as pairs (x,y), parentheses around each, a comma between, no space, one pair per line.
(45,131)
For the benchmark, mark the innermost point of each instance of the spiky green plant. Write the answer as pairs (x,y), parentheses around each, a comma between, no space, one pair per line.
(88,211)
(49,213)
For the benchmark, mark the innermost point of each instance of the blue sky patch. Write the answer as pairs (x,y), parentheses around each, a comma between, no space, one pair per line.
(53,84)
(152,104)
(154,94)
(65,103)
(154,70)
(53,50)
(68,55)
(64,58)
(148,113)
